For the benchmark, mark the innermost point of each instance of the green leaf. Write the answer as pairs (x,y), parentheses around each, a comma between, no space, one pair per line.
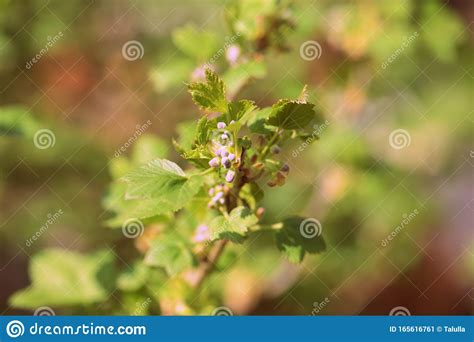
(195,43)
(234,227)
(158,178)
(171,74)
(198,156)
(203,131)
(124,209)
(17,120)
(170,253)
(252,194)
(149,147)
(65,278)
(240,75)
(209,96)
(159,187)
(293,244)
(134,278)
(257,123)
(442,30)
(241,111)
(291,114)
(186,134)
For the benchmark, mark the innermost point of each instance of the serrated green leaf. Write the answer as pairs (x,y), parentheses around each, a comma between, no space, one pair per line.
(159,187)
(291,114)
(170,253)
(209,96)
(234,227)
(156,179)
(65,278)
(124,209)
(291,241)
(203,130)
(241,111)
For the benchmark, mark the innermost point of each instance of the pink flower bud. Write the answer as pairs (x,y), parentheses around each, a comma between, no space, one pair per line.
(214,162)
(230,176)
(221,125)
(232,54)
(217,197)
(231,157)
(226,162)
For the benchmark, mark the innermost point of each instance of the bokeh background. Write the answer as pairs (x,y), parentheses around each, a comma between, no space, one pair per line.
(394,80)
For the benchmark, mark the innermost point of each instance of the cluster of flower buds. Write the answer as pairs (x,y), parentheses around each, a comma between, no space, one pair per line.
(217,195)
(224,155)
(201,234)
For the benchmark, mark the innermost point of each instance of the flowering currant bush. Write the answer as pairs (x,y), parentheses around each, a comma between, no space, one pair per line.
(188,220)
(234,150)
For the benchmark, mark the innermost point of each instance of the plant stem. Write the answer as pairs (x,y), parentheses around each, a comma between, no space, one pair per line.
(207,265)
(270,144)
